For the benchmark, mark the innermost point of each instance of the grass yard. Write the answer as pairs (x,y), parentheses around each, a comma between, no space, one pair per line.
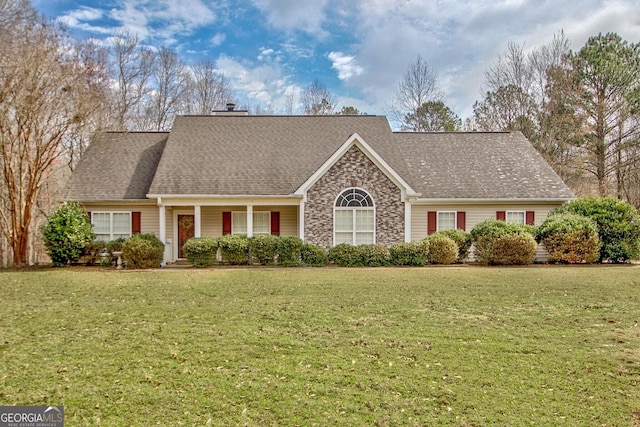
(462,346)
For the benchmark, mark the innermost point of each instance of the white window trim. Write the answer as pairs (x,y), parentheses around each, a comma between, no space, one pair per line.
(111,233)
(455,219)
(233,230)
(524,217)
(354,209)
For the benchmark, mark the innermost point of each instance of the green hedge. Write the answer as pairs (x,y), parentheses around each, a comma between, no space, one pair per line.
(263,249)
(66,233)
(618,226)
(142,251)
(289,250)
(461,238)
(234,249)
(201,251)
(570,238)
(345,255)
(409,253)
(313,255)
(500,243)
(442,249)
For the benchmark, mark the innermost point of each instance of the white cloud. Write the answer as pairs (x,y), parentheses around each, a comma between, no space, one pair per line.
(218,39)
(265,85)
(345,65)
(296,15)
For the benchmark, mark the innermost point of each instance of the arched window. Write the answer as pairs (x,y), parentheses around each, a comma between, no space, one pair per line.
(354,218)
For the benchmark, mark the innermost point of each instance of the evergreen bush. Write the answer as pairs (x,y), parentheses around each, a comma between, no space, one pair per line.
(442,249)
(345,255)
(263,248)
(234,249)
(66,233)
(289,248)
(201,251)
(409,253)
(142,251)
(500,243)
(313,255)
(373,255)
(462,239)
(618,226)
(570,238)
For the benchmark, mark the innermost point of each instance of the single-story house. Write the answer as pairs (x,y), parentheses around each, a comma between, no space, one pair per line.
(325,179)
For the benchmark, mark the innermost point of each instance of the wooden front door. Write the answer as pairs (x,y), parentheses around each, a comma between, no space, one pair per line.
(185,231)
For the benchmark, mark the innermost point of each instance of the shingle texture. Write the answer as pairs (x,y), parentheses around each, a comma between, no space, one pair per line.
(117,166)
(259,155)
(477,165)
(275,155)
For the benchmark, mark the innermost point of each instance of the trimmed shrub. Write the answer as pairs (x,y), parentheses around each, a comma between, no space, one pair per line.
(66,233)
(263,249)
(313,255)
(142,251)
(411,253)
(201,251)
(345,255)
(501,243)
(289,248)
(442,249)
(234,249)
(373,255)
(570,238)
(115,245)
(462,239)
(91,252)
(618,226)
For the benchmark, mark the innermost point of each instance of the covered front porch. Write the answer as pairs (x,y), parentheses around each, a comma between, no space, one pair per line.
(183,218)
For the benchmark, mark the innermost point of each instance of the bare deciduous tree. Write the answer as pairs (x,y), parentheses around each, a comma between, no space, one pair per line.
(46,97)
(209,90)
(132,69)
(317,99)
(419,85)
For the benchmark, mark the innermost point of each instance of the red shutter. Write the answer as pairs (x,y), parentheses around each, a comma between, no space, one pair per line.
(530,218)
(432,225)
(275,223)
(136,228)
(89,215)
(226,222)
(501,215)
(461,220)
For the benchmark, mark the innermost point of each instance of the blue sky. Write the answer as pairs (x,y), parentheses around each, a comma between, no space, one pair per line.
(358,48)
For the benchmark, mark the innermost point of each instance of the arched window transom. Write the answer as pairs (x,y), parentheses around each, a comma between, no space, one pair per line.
(354,218)
(354,197)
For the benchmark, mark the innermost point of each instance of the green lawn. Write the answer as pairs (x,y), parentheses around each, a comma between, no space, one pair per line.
(465,346)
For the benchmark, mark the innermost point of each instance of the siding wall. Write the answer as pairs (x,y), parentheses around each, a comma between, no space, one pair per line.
(149,214)
(354,169)
(476,214)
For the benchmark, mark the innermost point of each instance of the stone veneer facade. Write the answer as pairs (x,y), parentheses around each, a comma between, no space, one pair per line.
(354,169)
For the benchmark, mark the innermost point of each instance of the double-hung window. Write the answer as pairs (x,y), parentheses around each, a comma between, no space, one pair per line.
(446,220)
(261,222)
(354,218)
(109,226)
(515,217)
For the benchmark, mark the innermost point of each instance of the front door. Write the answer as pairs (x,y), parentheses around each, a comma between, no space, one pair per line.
(185,231)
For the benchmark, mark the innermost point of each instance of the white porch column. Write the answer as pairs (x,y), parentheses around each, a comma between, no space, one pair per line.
(249,220)
(301,220)
(197,219)
(407,222)
(162,233)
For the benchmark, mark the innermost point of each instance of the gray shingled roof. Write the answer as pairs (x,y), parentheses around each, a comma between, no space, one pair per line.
(275,155)
(117,166)
(259,155)
(478,165)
